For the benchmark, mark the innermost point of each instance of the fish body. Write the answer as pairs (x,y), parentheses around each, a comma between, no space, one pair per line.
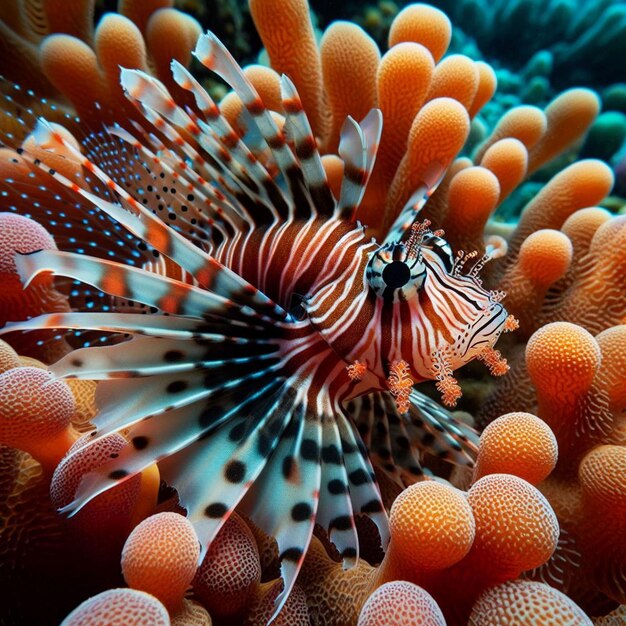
(284,344)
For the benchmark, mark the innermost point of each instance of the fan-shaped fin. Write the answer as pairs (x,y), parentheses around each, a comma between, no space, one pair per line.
(156,437)
(357,147)
(291,482)
(278,204)
(125,402)
(300,134)
(170,326)
(149,356)
(438,432)
(235,455)
(166,294)
(364,492)
(213,55)
(225,169)
(151,229)
(335,513)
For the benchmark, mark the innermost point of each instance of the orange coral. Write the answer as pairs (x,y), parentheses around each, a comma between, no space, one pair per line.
(429,151)
(563,360)
(569,116)
(614,618)
(544,257)
(119,607)
(456,77)
(267,83)
(432,527)
(164,47)
(422,24)
(519,444)
(472,197)
(288,36)
(437,206)
(58,48)
(294,612)
(516,530)
(402,82)
(118,43)
(525,123)
(8,357)
(611,375)
(160,557)
(521,602)
(453,545)
(350,60)
(72,67)
(596,298)
(140,11)
(84,392)
(334,596)
(582,184)
(399,603)
(487,84)
(29,361)
(191,614)
(404,75)
(36,413)
(602,478)
(113,509)
(582,225)
(74,17)
(508,159)
(230,570)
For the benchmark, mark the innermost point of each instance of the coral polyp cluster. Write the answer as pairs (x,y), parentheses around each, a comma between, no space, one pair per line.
(229,325)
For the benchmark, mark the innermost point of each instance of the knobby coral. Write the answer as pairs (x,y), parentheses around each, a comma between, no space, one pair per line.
(545,498)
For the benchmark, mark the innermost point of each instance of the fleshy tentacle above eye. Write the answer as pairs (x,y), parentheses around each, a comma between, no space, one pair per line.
(402,226)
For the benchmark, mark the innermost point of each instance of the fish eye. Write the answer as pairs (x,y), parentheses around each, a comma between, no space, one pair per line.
(393,273)
(396,274)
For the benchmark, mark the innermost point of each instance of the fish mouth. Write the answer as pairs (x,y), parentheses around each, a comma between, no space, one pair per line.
(486,331)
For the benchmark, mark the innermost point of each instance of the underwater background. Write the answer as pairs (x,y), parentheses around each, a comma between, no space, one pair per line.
(499,474)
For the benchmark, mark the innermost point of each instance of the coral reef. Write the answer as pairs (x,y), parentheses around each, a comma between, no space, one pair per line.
(119,607)
(529,526)
(56,51)
(400,603)
(512,603)
(160,557)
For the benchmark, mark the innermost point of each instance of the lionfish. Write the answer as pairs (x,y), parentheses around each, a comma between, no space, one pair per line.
(282,345)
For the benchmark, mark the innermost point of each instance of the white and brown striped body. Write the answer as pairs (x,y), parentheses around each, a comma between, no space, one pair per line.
(280,336)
